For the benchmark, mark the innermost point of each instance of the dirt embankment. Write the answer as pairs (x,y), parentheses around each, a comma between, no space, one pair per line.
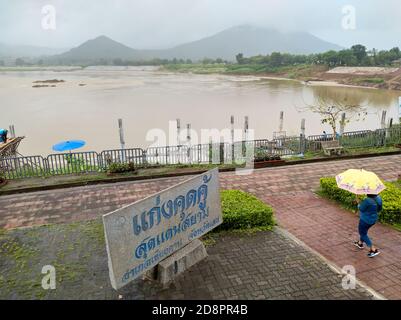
(372,77)
(380,78)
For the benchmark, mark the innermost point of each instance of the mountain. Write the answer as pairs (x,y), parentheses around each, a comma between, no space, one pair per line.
(250,41)
(101,48)
(227,44)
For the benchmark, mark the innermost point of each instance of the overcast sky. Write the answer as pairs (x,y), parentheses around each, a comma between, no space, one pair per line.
(164,23)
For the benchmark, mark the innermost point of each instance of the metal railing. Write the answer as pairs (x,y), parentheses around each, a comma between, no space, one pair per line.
(213,153)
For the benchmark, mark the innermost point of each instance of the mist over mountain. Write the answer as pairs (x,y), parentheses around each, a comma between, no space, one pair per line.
(250,41)
(226,44)
(21,51)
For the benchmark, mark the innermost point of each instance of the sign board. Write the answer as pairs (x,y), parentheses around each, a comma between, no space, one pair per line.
(146,232)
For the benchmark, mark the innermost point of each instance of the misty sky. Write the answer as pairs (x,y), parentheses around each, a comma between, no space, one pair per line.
(164,23)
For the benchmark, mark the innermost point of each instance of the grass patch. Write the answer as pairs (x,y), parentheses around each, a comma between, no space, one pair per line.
(369,80)
(197,68)
(16,184)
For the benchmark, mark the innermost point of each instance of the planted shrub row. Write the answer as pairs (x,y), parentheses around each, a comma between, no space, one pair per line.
(391,199)
(244,211)
(117,167)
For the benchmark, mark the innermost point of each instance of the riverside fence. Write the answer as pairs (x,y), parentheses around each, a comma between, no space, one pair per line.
(213,153)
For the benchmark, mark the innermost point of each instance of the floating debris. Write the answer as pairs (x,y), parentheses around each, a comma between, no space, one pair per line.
(49,81)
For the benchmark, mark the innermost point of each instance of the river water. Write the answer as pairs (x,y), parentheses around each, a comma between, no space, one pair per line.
(89,103)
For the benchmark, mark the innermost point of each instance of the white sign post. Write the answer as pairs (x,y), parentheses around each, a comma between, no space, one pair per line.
(141,235)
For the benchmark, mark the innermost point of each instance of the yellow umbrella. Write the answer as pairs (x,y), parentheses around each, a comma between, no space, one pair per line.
(359,181)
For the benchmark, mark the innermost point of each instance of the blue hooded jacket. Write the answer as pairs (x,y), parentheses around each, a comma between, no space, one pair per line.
(370,208)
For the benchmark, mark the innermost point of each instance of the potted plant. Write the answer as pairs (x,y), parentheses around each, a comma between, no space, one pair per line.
(117,168)
(263,159)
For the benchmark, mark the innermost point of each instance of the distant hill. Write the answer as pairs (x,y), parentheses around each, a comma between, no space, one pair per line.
(248,40)
(101,48)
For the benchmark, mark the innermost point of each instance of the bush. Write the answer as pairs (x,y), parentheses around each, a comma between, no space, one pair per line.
(2,177)
(244,211)
(117,167)
(263,155)
(391,197)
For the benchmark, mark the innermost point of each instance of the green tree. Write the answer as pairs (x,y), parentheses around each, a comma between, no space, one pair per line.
(359,52)
(347,58)
(276,59)
(331,107)
(118,62)
(19,62)
(240,58)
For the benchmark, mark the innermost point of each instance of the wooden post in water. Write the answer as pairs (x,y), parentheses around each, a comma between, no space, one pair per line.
(178,131)
(342,123)
(383,122)
(232,128)
(189,143)
(303,127)
(246,127)
(281,125)
(388,130)
(302,138)
(12,131)
(122,141)
(232,139)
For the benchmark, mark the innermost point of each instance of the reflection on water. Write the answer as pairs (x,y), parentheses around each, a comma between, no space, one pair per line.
(362,97)
(89,103)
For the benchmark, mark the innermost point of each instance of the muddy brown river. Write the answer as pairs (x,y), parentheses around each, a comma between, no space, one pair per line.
(90,101)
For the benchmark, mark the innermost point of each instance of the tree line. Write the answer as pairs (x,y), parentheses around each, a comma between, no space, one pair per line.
(357,55)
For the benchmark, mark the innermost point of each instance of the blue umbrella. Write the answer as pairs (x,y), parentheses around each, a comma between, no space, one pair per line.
(68,145)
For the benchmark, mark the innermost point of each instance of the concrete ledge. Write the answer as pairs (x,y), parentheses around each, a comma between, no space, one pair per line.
(180,261)
(180,174)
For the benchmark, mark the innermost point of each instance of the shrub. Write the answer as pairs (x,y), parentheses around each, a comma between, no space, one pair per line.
(244,211)
(117,167)
(2,177)
(263,155)
(391,197)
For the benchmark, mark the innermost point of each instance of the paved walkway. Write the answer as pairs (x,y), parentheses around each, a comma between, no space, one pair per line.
(319,223)
(266,265)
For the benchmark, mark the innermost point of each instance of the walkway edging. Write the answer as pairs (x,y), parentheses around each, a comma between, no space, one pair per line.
(331,265)
(181,174)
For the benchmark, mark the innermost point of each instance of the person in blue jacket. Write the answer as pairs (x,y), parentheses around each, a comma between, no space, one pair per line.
(369,211)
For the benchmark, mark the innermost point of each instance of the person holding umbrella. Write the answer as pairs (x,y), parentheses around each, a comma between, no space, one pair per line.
(369,210)
(361,182)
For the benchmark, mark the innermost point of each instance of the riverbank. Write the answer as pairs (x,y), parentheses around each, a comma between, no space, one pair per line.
(307,74)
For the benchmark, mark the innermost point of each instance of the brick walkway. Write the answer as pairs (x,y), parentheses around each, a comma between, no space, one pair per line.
(320,224)
(265,265)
